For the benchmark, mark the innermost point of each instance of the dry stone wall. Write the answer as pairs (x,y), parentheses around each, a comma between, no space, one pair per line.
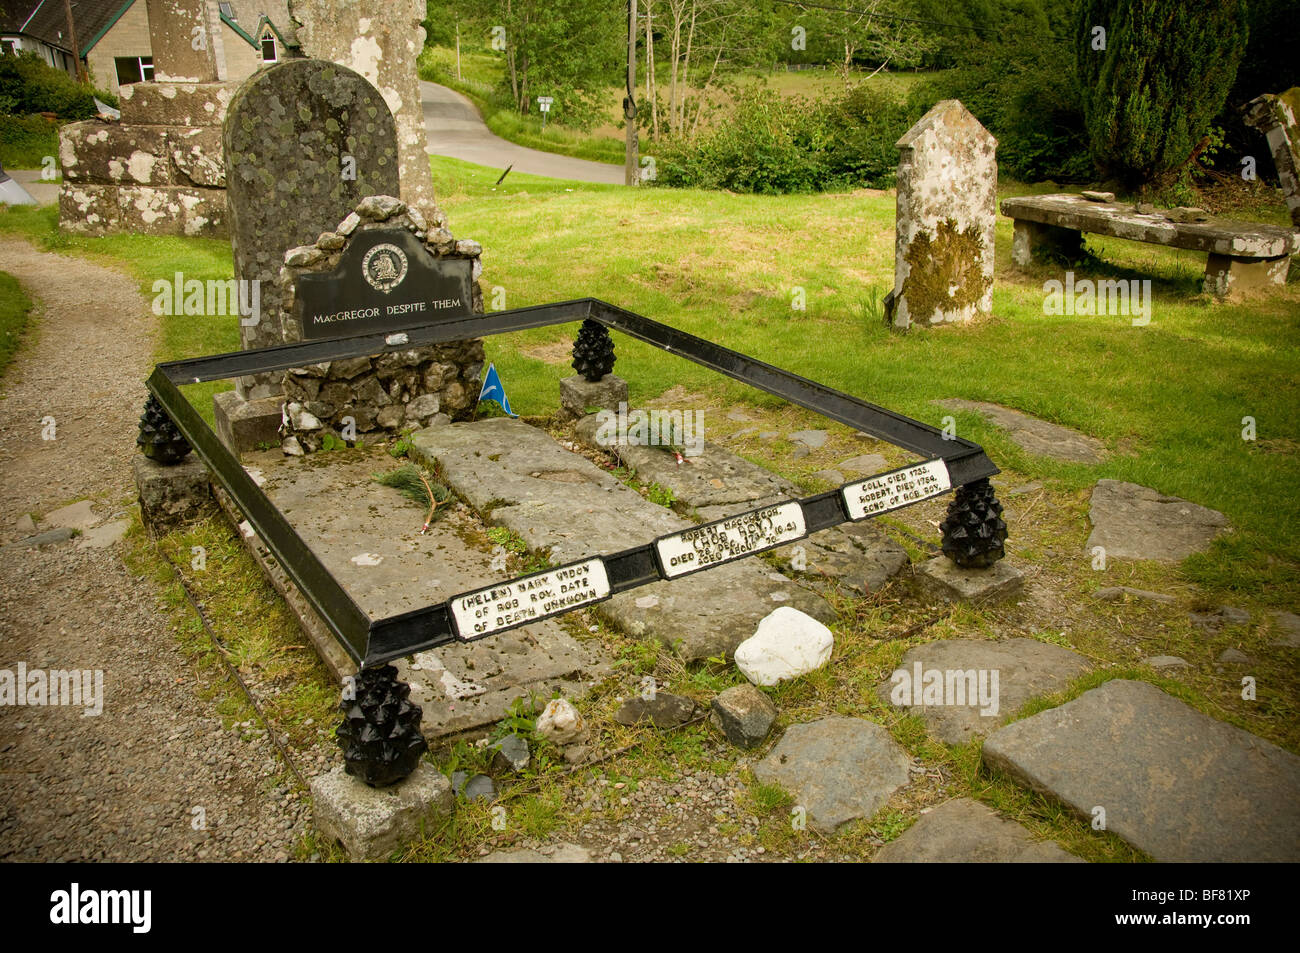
(387,393)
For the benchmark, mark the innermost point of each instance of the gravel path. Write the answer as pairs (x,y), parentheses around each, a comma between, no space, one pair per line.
(154,777)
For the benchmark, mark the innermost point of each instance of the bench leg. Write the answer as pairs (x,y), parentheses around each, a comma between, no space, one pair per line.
(1227,276)
(1032,239)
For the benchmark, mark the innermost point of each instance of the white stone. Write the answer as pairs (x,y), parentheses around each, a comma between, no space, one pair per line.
(788,643)
(561,723)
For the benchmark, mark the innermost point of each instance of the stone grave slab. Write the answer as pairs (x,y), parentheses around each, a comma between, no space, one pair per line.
(838,769)
(1175,783)
(1025,669)
(561,502)
(1033,435)
(368,536)
(717,483)
(963,831)
(1131,521)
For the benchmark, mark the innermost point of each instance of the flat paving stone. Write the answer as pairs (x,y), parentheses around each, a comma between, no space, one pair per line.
(1033,435)
(963,831)
(717,483)
(1175,783)
(79,515)
(561,502)
(555,854)
(1116,593)
(838,769)
(368,536)
(1012,672)
(1167,662)
(812,439)
(1288,624)
(1130,521)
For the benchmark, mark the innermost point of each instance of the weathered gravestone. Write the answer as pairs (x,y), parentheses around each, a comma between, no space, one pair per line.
(381,269)
(305,142)
(946,209)
(381,41)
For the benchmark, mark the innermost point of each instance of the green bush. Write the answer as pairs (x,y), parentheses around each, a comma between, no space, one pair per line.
(30,85)
(1014,74)
(1150,96)
(25,141)
(769,144)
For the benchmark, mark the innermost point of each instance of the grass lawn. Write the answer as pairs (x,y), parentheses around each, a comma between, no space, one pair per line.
(1167,399)
(14,307)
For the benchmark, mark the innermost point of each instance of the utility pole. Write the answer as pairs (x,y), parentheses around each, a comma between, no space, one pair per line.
(630,170)
(82,76)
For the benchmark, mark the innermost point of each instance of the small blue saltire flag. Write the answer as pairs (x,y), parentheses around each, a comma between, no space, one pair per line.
(493,390)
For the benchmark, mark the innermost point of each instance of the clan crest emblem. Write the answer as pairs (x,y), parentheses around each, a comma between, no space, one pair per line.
(384,267)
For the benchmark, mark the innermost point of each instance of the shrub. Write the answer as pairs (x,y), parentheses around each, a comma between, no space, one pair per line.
(29,85)
(1150,96)
(1014,76)
(770,144)
(26,140)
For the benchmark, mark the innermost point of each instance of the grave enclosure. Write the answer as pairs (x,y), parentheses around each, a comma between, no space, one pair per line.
(371,323)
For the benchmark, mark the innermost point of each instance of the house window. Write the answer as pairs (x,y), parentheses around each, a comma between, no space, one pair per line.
(9,47)
(133,69)
(268,49)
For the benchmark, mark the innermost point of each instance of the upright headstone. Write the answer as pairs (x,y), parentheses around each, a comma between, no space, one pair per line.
(946,209)
(305,142)
(1275,117)
(382,42)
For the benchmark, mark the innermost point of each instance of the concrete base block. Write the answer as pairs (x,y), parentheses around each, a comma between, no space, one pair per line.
(578,395)
(171,496)
(1229,277)
(1032,241)
(371,823)
(243,424)
(941,578)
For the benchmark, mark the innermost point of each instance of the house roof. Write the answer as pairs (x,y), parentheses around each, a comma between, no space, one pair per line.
(251,15)
(47,20)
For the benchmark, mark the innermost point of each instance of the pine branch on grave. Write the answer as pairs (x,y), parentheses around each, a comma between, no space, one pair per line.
(411,481)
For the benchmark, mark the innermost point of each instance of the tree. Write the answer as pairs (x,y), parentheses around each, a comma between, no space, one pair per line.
(567,49)
(1152,83)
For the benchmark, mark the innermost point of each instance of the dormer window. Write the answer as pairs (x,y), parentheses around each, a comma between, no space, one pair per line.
(268,48)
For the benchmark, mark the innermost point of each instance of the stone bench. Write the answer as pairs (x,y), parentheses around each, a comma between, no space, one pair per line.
(1241,255)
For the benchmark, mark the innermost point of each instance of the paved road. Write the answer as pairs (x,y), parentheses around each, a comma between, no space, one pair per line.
(457,130)
(30,179)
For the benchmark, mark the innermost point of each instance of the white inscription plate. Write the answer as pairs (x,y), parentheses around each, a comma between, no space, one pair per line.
(529,599)
(725,540)
(890,491)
